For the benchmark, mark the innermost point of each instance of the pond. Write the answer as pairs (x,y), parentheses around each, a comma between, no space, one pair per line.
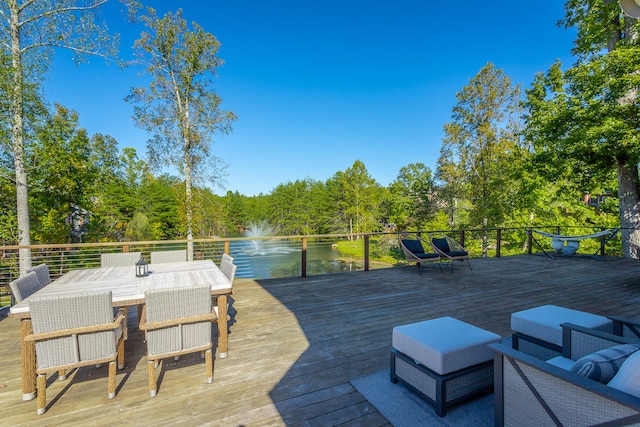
(264,259)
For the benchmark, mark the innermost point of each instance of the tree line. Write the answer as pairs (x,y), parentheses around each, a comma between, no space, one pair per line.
(509,158)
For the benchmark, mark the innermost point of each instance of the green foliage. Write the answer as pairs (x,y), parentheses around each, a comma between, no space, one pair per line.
(139,228)
(583,122)
(477,156)
(411,197)
(65,169)
(357,197)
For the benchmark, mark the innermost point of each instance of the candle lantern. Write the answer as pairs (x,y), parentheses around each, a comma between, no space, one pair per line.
(142,268)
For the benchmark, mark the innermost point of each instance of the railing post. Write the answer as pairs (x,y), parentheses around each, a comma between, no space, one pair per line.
(498,242)
(462,238)
(530,241)
(304,257)
(366,252)
(125,249)
(227,247)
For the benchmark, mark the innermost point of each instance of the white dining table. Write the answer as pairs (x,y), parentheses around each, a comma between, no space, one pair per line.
(126,290)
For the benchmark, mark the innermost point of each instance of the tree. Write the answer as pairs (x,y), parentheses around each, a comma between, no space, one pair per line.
(69,172)
(236,212)
(411,196)
(478,145)
(116,196)
(587,118)
(357,197)
(180,106)
(139,229)
(160,204)
(294,207)
(31,30)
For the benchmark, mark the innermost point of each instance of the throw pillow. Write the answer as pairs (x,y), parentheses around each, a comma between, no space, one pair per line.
(628,377)
(603,365)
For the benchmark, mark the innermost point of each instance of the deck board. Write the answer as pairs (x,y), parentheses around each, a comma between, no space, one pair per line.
(295,343)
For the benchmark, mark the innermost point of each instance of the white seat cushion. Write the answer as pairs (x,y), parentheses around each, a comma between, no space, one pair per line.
(544,322)
(445,344)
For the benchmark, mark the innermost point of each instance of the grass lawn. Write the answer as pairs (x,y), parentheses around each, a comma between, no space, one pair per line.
(355,248)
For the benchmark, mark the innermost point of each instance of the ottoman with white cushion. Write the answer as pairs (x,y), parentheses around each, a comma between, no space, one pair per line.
(445,360)
(537,331)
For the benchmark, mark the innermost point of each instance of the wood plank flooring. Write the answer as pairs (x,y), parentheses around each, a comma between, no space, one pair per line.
(296,343)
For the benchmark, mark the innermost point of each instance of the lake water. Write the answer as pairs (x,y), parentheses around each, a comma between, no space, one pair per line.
(263,259)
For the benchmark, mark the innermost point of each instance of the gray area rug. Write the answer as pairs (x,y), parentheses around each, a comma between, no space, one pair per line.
(403,408)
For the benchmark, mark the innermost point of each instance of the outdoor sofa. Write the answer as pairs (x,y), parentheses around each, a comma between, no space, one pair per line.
(534,392)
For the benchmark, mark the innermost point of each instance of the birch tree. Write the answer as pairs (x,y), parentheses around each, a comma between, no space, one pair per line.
(31,30)
(180,107)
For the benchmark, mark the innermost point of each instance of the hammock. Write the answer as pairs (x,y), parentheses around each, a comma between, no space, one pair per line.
(561,240)
(575,238)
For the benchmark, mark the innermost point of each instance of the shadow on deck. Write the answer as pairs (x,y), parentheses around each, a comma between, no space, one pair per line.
(296,343)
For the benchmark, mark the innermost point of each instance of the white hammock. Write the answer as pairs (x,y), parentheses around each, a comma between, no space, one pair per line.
(575,238)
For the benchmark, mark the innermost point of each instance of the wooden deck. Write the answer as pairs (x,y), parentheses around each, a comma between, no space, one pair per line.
(295,343)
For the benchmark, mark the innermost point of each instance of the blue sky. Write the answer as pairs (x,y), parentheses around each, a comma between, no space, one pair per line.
(317,85)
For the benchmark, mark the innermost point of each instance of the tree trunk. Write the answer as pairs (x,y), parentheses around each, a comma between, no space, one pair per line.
(189,207)
(485,238)
(17,134)
(628,184)
(629,197)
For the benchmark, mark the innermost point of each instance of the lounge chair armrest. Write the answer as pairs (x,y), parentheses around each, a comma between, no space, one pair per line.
(578,341)
(626,327)
(527,385)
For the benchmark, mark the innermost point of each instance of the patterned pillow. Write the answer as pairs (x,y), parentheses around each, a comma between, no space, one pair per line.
(603,365)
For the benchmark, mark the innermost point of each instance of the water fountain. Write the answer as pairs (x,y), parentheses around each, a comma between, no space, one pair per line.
(267,258)
(262,247)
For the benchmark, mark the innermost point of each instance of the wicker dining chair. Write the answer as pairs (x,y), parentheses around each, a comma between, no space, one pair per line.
(72,331)
(168,256)
(226,257)
(123,259)
(25,286)
(176,322)
(229,270)
(42,270)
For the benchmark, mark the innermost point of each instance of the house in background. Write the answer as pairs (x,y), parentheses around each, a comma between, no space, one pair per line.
(595,200)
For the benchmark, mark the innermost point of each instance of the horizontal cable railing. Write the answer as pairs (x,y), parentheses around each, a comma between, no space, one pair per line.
(290,256)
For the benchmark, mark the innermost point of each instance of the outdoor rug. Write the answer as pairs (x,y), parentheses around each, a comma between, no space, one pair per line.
(402,407)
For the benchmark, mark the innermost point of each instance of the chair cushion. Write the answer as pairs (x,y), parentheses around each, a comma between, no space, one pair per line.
(628,377)
(427,255)
(457,253)
(414,246)
(603,365)
(441,244)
